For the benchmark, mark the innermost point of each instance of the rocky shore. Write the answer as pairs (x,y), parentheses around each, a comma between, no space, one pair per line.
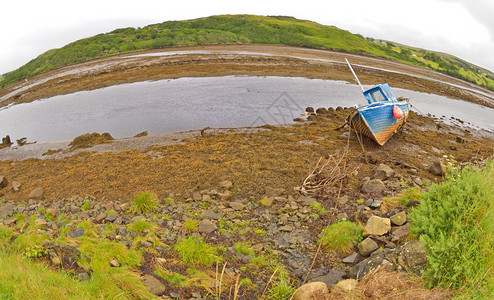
(277,224)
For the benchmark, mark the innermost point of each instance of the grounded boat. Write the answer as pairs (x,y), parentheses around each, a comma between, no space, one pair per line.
(382,116)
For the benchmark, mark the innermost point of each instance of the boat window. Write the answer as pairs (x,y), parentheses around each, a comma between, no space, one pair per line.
(377,96)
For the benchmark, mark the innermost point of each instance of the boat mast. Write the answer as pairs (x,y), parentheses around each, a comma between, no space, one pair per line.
(351,69)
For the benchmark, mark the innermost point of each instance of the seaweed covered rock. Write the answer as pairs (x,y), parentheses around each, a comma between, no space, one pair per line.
(90,139)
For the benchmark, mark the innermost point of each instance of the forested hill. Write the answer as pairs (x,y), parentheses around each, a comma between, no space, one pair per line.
(228,29)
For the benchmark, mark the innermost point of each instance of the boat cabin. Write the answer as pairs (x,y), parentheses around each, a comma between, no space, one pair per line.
(379,93)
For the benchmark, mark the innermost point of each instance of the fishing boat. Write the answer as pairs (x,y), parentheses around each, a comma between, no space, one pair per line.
(382,116)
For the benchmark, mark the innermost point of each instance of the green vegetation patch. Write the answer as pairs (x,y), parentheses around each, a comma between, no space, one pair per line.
(231,29)
(194,251)
(455,221)
(144,202)
(341,236)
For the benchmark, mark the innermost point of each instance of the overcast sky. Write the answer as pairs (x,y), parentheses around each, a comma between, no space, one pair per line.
(464,28)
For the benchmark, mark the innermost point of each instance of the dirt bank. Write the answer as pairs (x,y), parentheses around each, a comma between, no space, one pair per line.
(282,61)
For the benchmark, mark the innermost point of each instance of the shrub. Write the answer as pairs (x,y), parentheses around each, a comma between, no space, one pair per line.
(144,202)
(194,251)
(455,222)
(341,236)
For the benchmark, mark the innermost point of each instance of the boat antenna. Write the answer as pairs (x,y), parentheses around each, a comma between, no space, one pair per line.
(355,75)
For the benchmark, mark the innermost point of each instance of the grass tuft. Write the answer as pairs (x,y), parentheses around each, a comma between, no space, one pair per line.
(194,251)
(341,236)
(144,202)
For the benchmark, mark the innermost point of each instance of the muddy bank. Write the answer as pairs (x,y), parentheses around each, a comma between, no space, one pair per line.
(128,68)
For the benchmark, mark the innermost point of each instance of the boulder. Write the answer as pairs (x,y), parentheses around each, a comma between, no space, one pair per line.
(367,246)
(383,172)
(399,218)
(207,226)
(37,193)
(377,225)
(154,285)
(373,186)
(311,290)
(346,285)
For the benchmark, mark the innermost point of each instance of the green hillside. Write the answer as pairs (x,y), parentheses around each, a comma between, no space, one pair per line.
(244,29)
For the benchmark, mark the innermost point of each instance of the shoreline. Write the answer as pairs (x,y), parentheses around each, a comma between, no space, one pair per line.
(279,61)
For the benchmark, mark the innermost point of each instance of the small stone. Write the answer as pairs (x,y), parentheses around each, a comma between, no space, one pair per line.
(226,184)
(146,244)
(124,206)
(437,168)
(6,209)
(154,285)
(267,201)
(236,205)
(211,214)
(197,196)
(351,259)
(373,186)
(74,208)
(247,258)
(377,225)
(111,217)
(77,232)
(346,285)
(207,226)
(83,276)
(3,182)
(40,222)
(399,218)
(36,194)
(52,212)
(273,192)
(367,246)
(99,218)
(286,228)
(383,172)
(400,233)
(330,278)
(343,200)
(114,263)
(311,290)
(16,186)
(9,221)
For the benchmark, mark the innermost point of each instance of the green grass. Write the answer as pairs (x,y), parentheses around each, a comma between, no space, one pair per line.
(231,29)
(341,236)
(282,289)
(140,226)
(244,248)
(194,251)
(455,221)
(144,202)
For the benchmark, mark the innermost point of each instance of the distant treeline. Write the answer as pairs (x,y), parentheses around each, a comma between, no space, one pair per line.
(231,29)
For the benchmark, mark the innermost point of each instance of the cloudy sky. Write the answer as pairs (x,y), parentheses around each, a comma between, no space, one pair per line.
(464,28)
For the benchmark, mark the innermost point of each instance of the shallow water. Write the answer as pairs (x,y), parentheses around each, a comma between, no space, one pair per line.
(193,103)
